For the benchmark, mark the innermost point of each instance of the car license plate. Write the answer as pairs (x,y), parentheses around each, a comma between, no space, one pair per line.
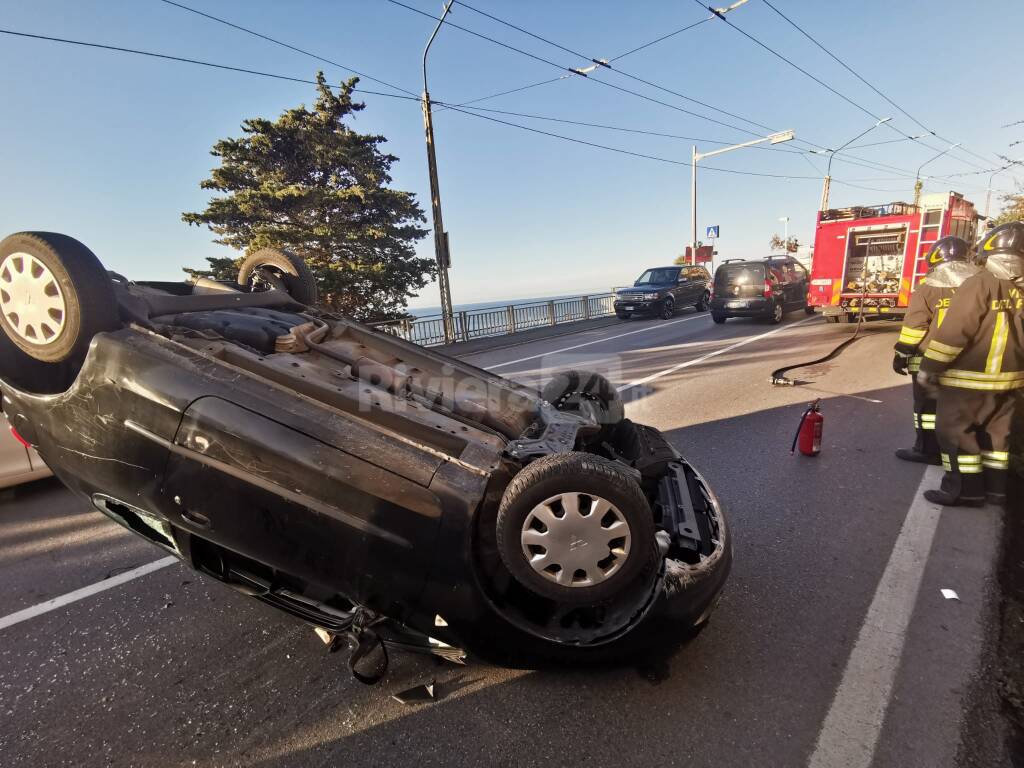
(628,307)
(736,305)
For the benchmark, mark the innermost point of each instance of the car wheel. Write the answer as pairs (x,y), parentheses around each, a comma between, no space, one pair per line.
(567,390)
(274,269)
(575,528)
(808,310)
(623,315)
(717,318)
(55,296)
(705,300)
(776,316)
(668,309)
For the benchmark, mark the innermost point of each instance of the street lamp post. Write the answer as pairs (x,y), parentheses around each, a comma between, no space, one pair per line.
(917,180)
(826,186)
(785,220)
(775,138)
(988,192)
(440,236)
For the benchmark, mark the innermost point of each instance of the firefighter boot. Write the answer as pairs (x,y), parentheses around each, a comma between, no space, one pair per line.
(917,455)
(963,484)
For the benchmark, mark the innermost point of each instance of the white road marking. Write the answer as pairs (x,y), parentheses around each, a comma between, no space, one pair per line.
(709,355)
(849,735)
(84,592)
(597,341)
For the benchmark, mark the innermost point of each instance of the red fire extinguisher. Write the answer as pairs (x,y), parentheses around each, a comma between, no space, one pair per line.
(808,432)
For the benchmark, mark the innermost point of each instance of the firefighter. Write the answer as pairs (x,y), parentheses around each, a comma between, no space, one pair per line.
(976,359)
(950,263)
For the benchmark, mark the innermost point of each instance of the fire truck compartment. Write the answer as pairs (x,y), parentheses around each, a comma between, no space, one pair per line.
(874,261)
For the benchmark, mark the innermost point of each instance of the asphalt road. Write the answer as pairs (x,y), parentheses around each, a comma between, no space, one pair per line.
(832,646)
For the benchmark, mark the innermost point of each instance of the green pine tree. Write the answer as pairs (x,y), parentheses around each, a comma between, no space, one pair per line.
(308,183)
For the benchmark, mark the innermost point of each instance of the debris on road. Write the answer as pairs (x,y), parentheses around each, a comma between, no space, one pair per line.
(950,594)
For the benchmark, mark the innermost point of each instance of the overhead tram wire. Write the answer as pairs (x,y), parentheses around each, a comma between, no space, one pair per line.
(576,71)
(856,74)
(659,39)
(287,78)
(864,162)
(258,73)
(606,64)
(815,78)
(288,46)
(185,60)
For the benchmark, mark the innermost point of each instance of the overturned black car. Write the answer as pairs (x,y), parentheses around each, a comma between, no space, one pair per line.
(383,492)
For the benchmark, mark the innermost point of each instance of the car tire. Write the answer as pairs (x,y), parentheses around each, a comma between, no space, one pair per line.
(272,268)
(623,315)
(543,530)
(704,303)
(717,318)
(808,310)
(61,273)
(777,313)
(668,309)
(566,389)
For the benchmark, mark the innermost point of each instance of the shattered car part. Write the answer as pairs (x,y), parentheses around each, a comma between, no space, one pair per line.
(353,479)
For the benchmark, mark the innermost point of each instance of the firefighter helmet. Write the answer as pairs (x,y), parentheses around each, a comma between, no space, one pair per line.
(1006,238)
(949,249)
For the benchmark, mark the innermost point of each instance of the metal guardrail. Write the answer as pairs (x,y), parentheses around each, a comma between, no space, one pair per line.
(499,320)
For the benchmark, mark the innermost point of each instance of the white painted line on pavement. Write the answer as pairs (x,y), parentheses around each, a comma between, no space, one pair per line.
(709,355)
(84,592)
(596,341)
(849,735)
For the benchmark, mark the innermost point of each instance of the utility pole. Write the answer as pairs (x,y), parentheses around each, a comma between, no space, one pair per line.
(918,183)
(827,185)
(775,138)
(441,252)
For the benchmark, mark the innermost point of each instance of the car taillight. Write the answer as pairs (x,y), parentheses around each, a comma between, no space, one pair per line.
(19,438)
(767,292)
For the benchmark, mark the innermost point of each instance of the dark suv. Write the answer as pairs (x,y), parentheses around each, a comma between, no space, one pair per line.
(766,288)
(662,290)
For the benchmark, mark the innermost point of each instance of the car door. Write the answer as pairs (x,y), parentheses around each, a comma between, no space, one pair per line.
(688,287)
(800,286)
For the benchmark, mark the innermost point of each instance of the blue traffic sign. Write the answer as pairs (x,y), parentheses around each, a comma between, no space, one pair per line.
(712,232)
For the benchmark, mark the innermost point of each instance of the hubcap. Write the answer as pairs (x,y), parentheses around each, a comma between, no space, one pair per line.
(575,539)
(31,300)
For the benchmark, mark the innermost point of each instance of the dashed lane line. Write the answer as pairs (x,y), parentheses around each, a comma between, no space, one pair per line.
(597,341)
(849,736)
(80,594)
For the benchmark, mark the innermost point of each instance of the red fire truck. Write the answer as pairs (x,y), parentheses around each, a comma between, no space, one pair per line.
(870,258)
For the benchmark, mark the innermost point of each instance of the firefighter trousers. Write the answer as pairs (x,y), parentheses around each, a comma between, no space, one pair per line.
(973,428)
(924,422)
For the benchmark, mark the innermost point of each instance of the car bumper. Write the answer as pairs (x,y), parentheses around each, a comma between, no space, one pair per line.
(638,307)
(758,307)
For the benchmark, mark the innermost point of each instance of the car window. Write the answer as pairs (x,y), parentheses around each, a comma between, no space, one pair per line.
(658,276)
(740,274)
(695,273)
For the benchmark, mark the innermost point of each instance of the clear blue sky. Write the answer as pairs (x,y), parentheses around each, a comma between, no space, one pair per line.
(110,148)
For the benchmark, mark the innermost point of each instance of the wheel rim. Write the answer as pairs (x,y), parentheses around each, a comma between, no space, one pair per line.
(31,300)
(777,313)
(667,311)
(576,539)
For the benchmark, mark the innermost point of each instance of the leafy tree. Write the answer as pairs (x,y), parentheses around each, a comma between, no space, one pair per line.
(1013,209)
(309,183)
(220,268)
(680,259)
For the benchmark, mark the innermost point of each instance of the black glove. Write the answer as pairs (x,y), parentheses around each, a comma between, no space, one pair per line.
(899,363)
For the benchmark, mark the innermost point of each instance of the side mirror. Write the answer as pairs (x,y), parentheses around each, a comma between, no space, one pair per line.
(683,280)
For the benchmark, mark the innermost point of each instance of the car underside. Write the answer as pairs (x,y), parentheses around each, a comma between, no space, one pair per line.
(383,492)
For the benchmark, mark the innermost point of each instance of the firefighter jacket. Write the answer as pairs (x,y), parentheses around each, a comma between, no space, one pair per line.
(980,344)
(928,306)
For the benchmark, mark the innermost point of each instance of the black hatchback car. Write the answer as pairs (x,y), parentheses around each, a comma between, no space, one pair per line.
(662,290)
(766,288)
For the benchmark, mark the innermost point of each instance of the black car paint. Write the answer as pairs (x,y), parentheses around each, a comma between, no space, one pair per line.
(683,293)
(273,483)
(793,292)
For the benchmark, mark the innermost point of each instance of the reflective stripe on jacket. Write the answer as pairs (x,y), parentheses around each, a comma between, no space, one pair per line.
(979,344)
